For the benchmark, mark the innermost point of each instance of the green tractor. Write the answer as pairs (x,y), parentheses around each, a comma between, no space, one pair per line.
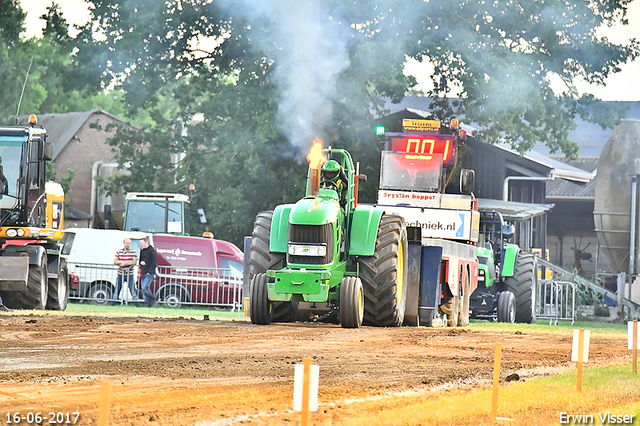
(508,276)
(328,252)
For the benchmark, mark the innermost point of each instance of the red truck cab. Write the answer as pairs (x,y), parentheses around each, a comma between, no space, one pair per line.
(197,271)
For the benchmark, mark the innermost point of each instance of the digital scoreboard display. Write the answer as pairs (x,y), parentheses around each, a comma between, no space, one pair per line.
(427,144)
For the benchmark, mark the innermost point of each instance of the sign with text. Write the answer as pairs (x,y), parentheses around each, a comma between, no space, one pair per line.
(416,199)
(418,125)
(437,223)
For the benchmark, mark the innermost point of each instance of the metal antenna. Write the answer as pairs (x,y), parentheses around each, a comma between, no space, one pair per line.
(22,94)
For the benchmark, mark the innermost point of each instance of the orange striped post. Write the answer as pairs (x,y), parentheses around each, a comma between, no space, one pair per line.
(580,358)
(496,381)
(305,391)
(105,401)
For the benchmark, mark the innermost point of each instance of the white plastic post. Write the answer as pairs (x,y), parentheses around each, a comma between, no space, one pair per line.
(306,380)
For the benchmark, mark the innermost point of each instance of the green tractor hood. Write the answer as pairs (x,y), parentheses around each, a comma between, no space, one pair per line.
(316,210)
(320,210)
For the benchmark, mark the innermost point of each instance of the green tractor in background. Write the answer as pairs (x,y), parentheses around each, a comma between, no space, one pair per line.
(327,252)
(508,276)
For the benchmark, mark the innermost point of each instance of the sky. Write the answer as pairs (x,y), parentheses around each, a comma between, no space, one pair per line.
(623,86)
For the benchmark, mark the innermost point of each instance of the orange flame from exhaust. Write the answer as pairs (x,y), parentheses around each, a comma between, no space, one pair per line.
(316,155)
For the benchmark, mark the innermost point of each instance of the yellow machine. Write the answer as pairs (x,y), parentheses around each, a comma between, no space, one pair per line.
(32,274)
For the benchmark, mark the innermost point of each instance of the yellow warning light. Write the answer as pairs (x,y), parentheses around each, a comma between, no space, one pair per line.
(33,119)
(207,234)
(454,123)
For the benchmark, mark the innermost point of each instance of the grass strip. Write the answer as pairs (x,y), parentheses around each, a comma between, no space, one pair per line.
(541,401)
(134,311)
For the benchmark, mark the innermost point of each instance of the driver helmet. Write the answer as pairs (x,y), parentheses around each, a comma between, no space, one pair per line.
(331,170)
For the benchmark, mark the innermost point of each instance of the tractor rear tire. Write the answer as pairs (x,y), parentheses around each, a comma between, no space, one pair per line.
(384,275)
(260,308)
(37,288)
(507,307)
(351,302)
(523,285)
(261,260)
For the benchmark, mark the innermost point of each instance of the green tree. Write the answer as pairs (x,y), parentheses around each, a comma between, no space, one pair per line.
(46,64)
(501,56)
(11,21)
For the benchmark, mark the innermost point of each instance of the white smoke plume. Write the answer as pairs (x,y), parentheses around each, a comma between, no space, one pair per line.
(310,51)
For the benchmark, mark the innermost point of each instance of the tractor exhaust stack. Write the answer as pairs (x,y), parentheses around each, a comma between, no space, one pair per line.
(316,159)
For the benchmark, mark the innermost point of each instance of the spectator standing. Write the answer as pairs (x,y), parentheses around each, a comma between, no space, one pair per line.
(126,259)
(148,263)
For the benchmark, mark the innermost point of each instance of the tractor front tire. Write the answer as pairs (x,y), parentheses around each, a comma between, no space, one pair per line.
(260,308)
(384,275)
(523,284)
(351,302)
(261,260)
(58,297)
(507,307)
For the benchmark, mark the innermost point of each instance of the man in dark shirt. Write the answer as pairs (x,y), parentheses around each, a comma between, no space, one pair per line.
(148,263)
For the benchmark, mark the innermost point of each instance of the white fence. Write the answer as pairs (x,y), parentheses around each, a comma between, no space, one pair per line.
(173,287)
(556,300)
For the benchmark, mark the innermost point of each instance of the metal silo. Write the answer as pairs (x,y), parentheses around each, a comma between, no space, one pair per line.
(618,168)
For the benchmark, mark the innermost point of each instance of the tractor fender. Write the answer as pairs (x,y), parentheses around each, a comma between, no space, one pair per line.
(364,230)
(34,251)
(509,258)
(280,228)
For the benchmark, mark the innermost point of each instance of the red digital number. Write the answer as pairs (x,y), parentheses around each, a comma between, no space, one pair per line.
(417,145)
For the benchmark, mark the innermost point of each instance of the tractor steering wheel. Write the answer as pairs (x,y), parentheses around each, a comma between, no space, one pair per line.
(330,184)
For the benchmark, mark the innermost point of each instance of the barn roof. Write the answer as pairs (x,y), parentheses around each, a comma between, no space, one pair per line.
(62,128)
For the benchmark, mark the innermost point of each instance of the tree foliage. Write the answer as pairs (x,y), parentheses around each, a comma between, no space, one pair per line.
(504,55)
(44,67)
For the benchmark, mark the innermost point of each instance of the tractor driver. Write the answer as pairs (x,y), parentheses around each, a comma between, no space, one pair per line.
(333,171)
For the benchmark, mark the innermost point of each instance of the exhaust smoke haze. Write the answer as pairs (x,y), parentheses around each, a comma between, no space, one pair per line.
(308,51)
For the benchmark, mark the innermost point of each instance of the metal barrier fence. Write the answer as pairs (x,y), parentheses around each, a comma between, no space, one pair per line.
(173,287)
(556,300)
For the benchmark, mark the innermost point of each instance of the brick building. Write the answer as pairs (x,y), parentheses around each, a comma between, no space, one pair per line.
(82,149)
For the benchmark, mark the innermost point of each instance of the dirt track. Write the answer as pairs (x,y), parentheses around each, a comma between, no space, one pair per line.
(187,372)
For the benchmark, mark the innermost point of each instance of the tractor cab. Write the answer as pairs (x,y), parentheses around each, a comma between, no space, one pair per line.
(494,234)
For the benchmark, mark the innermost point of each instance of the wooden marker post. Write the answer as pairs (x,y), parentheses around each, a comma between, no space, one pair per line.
(105,402)
(633,343)
(305,389)
(496,381)
(635,347)
(306,362)
(580,351)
